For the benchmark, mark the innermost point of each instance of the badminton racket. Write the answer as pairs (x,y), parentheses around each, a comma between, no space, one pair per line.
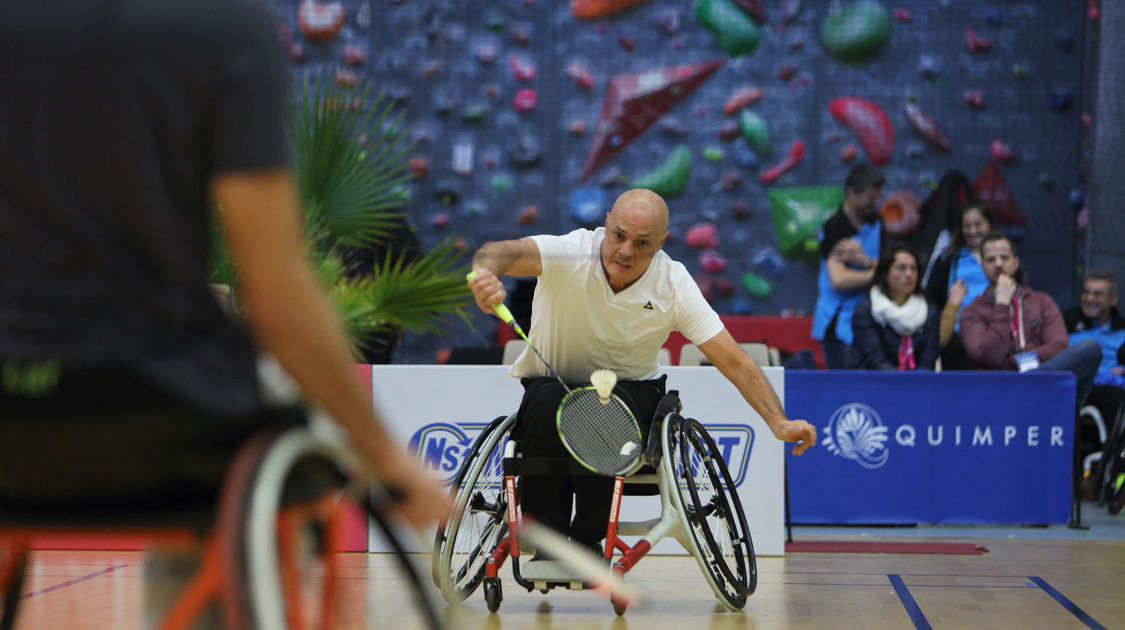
(506,316)
(596,427)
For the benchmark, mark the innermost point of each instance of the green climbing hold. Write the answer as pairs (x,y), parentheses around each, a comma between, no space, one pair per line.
(474,114)
(855,33)
(756,132)
(713,154)
(670,178)
(798,214)
(758,286)
(734,31)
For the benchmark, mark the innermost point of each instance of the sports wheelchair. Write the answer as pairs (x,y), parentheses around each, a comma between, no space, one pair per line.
(280,503)
(700,508)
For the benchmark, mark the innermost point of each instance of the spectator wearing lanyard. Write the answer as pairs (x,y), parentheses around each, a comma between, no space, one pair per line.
(895,328)
(1014,327)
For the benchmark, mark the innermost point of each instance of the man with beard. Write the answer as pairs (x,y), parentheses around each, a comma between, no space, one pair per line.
(1014,327)
(849,248)
(607,299)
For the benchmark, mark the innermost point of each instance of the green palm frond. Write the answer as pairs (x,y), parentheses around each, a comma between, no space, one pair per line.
(417,296)
(350,165)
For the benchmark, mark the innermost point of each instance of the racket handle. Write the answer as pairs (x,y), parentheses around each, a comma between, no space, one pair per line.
(501,310)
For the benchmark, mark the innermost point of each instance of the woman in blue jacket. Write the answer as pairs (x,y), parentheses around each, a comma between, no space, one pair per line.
(895,328)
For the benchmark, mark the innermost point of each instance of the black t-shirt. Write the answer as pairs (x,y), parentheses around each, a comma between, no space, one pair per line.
(115,115)
(836,228)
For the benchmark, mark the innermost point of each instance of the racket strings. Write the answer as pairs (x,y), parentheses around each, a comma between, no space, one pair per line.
(603,437)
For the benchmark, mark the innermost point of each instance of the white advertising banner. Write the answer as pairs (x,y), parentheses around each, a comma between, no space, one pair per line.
(442,408)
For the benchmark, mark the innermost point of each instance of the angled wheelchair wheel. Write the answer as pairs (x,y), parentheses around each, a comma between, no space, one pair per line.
(711,513)
(479,519)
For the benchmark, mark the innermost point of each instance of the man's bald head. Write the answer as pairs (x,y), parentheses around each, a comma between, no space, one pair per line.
(635,229)
(640,202)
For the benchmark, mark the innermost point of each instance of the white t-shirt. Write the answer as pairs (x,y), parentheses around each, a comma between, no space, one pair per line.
(580,324)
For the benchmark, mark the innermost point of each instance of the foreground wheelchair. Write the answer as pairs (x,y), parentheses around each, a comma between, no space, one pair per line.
(700,508)
(278,515)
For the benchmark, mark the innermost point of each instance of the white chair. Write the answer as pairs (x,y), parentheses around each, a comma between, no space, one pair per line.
(762,354)
(691,355)
(512,351)
(664,357)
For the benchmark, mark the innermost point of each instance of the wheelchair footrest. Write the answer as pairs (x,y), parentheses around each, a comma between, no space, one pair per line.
(543,573)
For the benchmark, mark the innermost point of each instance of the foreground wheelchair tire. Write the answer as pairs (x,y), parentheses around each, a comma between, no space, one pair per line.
(479,519)
(711,513)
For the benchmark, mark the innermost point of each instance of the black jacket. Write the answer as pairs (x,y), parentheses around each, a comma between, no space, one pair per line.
(875,347)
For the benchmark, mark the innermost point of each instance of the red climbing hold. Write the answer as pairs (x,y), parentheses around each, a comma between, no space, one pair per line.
(869,123)
(925,126)
(796,152)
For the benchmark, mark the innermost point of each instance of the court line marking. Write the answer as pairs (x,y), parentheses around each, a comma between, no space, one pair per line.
(908,602)
(1066,603)
(88,576)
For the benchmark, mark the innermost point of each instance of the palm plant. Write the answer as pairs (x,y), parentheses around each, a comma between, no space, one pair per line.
(351,168)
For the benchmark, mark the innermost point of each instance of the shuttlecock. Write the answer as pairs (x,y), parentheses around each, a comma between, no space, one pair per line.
(603,381)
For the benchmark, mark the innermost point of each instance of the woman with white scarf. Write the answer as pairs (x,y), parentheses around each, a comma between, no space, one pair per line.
(895,328)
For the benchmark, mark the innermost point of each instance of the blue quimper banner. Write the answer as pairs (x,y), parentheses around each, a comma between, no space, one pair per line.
(953,447)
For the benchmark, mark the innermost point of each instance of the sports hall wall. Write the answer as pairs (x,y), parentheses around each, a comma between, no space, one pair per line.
(506,101)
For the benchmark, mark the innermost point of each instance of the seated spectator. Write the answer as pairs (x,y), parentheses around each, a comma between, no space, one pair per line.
(894,328)
(956,279)
(1097,318)
(1014,327)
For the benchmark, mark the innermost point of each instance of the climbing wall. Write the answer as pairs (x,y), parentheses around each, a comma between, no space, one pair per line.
(531,116)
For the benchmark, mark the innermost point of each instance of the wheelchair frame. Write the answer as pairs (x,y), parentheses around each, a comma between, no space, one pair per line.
(699,508)
(249,556)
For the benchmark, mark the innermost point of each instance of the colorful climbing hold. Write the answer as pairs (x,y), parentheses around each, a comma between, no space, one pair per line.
(991,188)
(756,133)
(792,159)
(671,177)
(758,286)
(712,261)
(742,97)
(857,32)
(589,205)
(525,100)
(713,153)
(522,69)
(598,9)
(354,55)
(702,236)
(902,15)
(974,98)
(848,152)
(633,102)
(440,221)
(320,20)
(528,215)
(869,123)
(975,42)
(419,166)
(735,32)
(900,213)
(740,210)
(729,130)
(1061,99)
(798,214)
(926,126)
(580,75)
(1001,152)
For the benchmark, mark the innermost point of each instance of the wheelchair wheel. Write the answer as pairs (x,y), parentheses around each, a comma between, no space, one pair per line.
(479,519)
(1111,465)
(711,513)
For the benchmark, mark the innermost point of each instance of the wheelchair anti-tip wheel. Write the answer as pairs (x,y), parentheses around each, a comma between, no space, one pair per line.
(479,519)
(711,513)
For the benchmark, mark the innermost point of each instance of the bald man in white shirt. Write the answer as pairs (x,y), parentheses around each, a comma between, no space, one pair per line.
(608,298)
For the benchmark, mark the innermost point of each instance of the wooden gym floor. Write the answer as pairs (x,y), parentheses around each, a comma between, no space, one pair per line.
(1020,583)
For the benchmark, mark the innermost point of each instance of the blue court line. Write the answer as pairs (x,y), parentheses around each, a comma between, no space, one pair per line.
(1066,603)
(76,580)
(908,602)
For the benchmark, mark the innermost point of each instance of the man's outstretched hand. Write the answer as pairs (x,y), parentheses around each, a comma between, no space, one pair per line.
(798,431)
